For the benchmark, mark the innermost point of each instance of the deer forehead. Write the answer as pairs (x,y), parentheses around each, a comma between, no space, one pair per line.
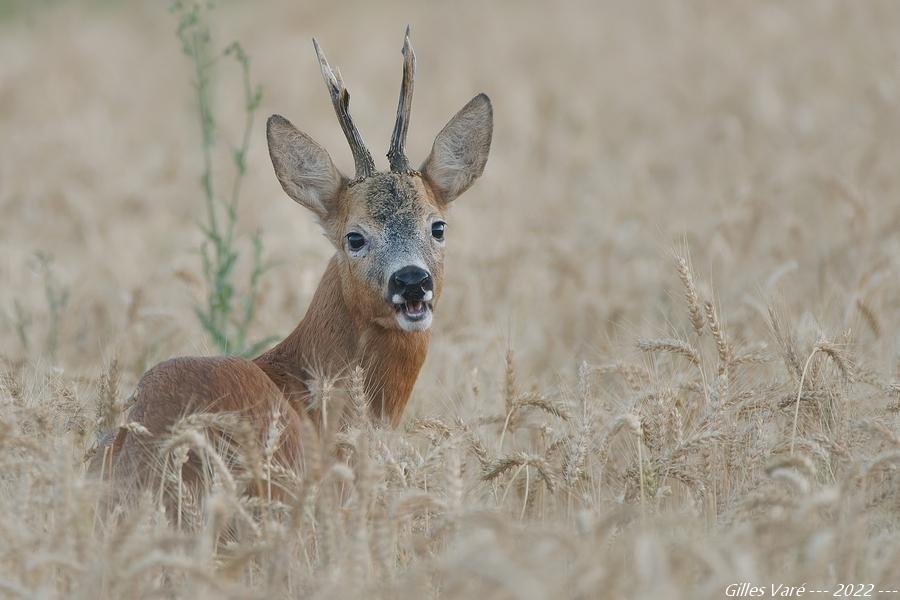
(395,204)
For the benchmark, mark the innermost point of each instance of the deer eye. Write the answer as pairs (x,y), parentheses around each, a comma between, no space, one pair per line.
(437,230)
(355,241)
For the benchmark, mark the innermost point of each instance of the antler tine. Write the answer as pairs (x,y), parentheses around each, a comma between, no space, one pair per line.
(397,153)
(340,98)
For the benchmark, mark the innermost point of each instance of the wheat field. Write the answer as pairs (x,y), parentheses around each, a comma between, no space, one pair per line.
(666,360)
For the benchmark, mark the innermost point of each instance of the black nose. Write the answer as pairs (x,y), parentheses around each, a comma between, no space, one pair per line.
(411,283)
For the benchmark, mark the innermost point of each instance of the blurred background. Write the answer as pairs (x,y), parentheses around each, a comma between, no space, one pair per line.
(573,431)
(761,138)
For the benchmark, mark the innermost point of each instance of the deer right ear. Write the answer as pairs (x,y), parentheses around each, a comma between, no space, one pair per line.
(460,150)
(303,167)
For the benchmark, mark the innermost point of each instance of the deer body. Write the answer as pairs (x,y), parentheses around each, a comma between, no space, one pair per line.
(372,309)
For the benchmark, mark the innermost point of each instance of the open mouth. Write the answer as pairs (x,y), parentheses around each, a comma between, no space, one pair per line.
(413,310)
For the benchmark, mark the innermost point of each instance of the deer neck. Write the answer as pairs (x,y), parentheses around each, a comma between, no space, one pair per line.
(331,340)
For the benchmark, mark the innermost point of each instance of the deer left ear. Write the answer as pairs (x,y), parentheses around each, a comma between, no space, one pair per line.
(303,167)
(461,149)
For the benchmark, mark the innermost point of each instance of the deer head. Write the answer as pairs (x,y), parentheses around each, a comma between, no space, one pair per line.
(388,228)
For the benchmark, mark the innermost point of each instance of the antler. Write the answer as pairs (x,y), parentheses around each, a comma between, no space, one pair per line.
(340,98)
(397,153)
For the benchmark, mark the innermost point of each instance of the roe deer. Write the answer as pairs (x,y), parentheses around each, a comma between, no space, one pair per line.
(373,307)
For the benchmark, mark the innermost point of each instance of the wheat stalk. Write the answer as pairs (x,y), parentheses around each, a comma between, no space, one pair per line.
(691,296)
(672,346)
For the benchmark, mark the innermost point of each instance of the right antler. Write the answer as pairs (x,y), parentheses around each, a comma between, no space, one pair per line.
(397,153)
(340,98)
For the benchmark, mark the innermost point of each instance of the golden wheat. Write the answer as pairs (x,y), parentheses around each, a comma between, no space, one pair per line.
(592,421)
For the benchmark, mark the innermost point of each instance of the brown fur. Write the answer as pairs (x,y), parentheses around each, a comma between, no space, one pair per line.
(332,339)
(351,320)
(189,385)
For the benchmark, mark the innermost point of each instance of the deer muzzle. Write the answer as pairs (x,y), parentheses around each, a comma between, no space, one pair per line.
(411,292)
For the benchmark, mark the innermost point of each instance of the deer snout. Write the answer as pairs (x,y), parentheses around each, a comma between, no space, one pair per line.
(411,291)
(411,284)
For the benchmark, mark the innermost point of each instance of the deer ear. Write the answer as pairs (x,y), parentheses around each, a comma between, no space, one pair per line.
(460,150)
(303,167)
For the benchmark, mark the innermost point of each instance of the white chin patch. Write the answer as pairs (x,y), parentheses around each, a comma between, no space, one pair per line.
(419,324)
